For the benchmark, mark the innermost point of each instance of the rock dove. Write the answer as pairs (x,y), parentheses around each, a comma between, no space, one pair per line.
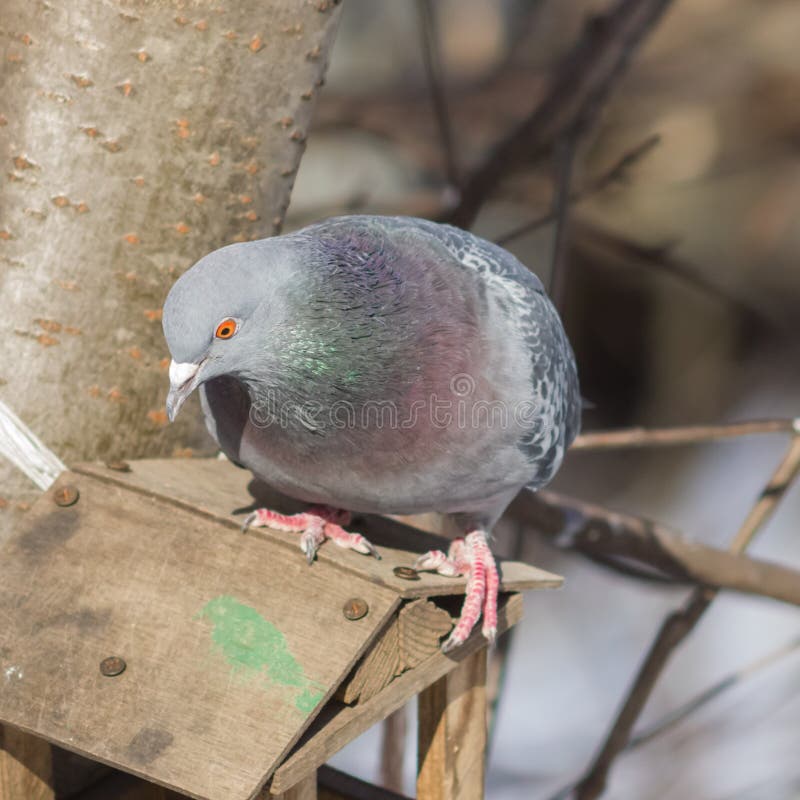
(385,365)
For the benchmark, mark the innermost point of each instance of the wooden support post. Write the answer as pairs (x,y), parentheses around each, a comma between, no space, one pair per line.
(452,733)
(393,749)
(26,766)
(306,789)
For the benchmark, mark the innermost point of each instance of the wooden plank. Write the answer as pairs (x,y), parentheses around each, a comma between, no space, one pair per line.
(306,789)
(26,765)
(339,724)
(221,634)
(393,749)
(413,635)
(376,670)
(223,491)
(452,733)
(420,628)
(336,785)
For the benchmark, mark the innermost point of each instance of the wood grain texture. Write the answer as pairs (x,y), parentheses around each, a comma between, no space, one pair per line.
(136,137)
(26,766)
(225,492)
(452,733)
(376,670)
(306,789)
(338,724)
(393,749)
(412,636)
(221,634)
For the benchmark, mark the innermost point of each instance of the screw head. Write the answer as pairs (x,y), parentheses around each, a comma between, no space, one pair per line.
(406,573)
(355,608)
(112,666)
(118,466)
(66,495)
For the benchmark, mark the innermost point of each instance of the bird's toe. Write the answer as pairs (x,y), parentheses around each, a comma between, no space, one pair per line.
(308,545)
(350,541)
(453,642)
(437,561)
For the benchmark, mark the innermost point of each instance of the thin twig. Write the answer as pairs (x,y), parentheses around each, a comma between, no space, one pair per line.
(577,92)
(592,239)
(429,37)
(679,714)
(617,173)
(690,434)
(677,626)
(675,717)
(561,202)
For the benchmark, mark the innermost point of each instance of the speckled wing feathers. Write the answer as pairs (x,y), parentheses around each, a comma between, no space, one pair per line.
(554,374)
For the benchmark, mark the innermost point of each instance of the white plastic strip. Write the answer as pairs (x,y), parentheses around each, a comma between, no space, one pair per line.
(20,445)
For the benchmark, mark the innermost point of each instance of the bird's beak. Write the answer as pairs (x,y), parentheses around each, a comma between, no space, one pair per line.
(183,379)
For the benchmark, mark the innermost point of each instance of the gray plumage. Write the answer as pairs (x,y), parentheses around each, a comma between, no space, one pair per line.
(380,364)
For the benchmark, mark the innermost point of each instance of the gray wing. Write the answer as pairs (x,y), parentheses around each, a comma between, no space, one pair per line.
(554,373)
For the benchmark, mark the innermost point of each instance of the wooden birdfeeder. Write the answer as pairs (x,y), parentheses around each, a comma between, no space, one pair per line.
(139,628)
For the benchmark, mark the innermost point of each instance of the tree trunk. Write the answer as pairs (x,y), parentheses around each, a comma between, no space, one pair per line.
(136,136)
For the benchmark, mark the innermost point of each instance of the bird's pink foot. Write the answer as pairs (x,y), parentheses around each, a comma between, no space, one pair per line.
(469,556)
(314,526)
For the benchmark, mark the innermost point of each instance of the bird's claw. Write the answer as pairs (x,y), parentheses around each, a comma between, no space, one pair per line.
(367,548)
(468,556)
(315,525)
(308,545)
(451,644)
(437,561)
(350,541)
(249,520)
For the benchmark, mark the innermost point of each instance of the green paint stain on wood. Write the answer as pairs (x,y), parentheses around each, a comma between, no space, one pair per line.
(254,647)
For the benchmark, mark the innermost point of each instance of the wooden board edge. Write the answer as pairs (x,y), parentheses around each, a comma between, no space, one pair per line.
(379,625)
(138,774)
(383,623)
(351,721)
(406,589)
(548,580)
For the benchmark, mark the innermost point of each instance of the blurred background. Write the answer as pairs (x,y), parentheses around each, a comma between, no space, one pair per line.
(682,300)
(681,296)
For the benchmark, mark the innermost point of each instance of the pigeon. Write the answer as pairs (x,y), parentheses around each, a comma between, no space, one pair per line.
(384,365)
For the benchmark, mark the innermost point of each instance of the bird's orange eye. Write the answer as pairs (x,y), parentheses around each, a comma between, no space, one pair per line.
(226,329)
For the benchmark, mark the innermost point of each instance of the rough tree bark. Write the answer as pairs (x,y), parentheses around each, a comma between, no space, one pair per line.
(136,136)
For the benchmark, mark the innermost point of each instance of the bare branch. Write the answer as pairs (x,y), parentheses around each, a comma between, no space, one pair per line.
(577,92)
(679,714)
(690,434)
(594,240)
(617,173)
(677,626)
(647,549)
(561,202)
(433,70)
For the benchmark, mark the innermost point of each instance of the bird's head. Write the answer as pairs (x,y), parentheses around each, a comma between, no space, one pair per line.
(215,315)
